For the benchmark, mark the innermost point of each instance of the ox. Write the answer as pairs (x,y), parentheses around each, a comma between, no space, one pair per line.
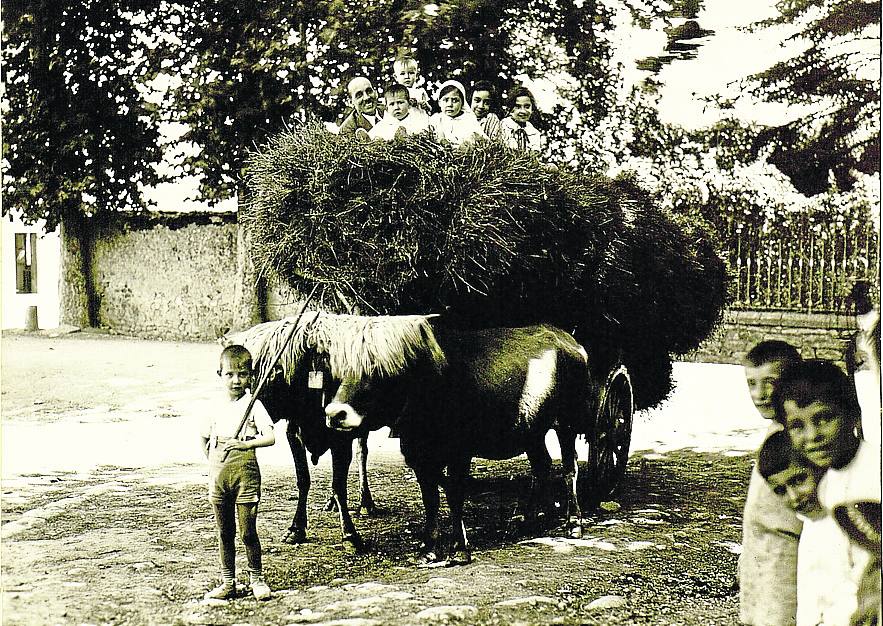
(452,396)
(290,395)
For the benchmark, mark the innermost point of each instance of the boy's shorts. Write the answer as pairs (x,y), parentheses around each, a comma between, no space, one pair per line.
(236,478)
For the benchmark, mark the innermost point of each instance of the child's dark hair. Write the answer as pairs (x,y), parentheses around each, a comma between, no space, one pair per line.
(395,88)
(816,380)
(775,455)
(859,298)
(518,92)
(485,85)
(235,353)
(773,350)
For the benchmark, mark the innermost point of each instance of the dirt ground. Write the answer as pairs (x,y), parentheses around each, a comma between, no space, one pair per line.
(105,518)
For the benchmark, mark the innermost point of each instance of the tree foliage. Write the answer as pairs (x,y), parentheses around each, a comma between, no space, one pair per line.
(241,71)
(79,139)
(837,76)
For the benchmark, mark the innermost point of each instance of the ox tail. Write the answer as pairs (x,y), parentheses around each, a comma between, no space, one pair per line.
(575,388)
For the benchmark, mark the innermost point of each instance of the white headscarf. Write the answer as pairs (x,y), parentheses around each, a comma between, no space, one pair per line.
(457,130)
(459,87)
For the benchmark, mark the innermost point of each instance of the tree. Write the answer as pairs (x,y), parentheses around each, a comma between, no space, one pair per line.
(838,76)
(79,140)
(241,71)
(244,70)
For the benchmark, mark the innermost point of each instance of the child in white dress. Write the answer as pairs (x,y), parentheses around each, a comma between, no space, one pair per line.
(456,123)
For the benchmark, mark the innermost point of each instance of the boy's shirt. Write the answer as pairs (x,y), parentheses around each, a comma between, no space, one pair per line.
(492,126)
(828,574)
(768,562)
(222,417)
(416,121)
(858,481)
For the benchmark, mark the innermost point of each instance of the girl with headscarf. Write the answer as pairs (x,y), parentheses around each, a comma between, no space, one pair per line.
(455,123)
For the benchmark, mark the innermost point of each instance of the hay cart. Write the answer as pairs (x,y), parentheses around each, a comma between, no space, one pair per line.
(493,234)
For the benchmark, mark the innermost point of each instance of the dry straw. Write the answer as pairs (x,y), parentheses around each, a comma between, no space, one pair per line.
(488,235)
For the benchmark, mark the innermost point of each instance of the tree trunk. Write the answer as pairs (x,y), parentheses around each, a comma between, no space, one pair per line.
(76,292)
(251,289)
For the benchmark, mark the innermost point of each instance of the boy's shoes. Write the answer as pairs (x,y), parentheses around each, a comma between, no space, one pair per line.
(224,591)
(259,588)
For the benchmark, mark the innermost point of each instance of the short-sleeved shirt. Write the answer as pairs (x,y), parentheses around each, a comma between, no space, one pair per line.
(222,417)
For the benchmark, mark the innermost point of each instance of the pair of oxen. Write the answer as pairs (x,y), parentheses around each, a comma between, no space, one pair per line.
(448,395)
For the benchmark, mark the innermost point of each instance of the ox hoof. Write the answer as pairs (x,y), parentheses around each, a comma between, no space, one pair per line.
(295,536)
(459,557)
(575,530)
(369,510)
(353,543)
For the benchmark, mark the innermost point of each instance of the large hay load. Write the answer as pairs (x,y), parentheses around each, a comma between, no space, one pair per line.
(490,236)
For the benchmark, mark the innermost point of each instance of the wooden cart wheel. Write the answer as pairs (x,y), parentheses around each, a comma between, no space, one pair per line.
(609,445)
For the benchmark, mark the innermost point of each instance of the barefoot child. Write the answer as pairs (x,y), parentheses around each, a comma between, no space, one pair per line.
(234,475)
(770,530)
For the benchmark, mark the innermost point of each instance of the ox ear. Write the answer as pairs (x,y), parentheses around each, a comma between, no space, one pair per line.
(436,354)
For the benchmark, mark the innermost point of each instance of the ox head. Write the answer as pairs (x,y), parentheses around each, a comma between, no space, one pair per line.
(358,403)
(377,396)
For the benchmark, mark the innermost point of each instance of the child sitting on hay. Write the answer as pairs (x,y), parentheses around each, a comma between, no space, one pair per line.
(406,70)
(400,118)
(483,96)
(518,132)
(234,475)
(456,123)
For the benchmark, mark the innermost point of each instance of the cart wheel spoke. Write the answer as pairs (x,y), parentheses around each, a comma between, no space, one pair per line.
(609,446)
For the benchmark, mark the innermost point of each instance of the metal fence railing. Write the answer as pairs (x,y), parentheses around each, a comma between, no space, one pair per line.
(804,266)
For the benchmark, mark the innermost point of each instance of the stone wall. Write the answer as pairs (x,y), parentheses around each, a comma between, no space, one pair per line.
(169,276)
(821,336)
(180,276)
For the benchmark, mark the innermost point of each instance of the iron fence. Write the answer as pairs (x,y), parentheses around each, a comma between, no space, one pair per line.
(801,266)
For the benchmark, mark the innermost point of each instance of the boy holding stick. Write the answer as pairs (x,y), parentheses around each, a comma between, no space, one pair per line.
(229,442)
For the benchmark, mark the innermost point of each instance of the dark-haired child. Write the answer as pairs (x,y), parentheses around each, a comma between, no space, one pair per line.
(770,530)
(400,118)
(483,96)
(825,579)
(818,406)
(234,475)
(518,132)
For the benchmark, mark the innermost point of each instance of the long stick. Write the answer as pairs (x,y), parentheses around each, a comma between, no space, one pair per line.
(266,375)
